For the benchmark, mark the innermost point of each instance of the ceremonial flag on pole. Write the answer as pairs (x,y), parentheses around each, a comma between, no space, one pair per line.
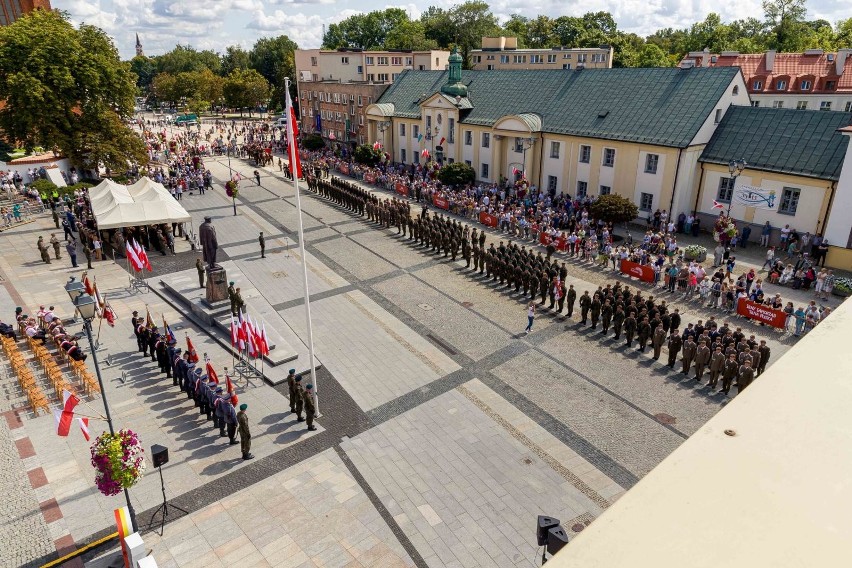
(717,205)
(190,348)
(250,335)
(235,334)
(241,331)
(420,138)
(99,299)
(442,141)
(229,386)
(211,372)
(142,255)
(425,153)
(133,258)
(65,416)
(167,330)
(292,145)
(84,426)
(149,322)
(264,341)
(88,284)
(109,314)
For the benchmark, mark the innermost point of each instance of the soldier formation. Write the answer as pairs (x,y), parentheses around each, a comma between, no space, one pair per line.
(722,351)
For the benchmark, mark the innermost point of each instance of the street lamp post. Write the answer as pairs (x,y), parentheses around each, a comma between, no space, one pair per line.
(231,176)
(382,126)
(526,144)
(430,136)
(86,306)
(735,167)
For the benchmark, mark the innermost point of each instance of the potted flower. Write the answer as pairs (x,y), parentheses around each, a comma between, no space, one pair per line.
(119,461)
(695,252)
(842,287)
(231,189)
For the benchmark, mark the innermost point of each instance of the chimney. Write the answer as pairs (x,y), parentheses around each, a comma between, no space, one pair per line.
(840,60)
(705,59)
(770,60)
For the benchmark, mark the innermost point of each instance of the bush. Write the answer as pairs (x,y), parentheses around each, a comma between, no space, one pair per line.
(313,142)
(613,208)
(44,186)
(366,155)
(457,173)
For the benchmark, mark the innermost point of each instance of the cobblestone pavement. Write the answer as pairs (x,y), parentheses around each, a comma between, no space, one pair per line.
(444,431)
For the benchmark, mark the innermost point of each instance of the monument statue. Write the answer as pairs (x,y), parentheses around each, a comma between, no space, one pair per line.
(209,244)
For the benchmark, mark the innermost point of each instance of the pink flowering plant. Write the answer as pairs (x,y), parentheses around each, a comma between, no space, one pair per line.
(119,461)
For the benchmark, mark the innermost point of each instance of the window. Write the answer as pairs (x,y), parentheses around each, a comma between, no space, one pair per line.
(581,57)
(402,130)
(566,66)
(477,59)
(360,100)
(313,61)
(777,104)
(646,201)
(605,190)
(582,188)
(609,157)
(598,58)
(394,76)
(504,59)
(554,149)
(781,85)
(415,131)
(830,85)
(484,171)
(718,117)
(566,56)
(383,77)
(351,110)
(802,105)
(848,106)
(490,67)
(344,60)
(369,60)
(360,120)
(651,161)
(519,59)
(486,139)
(468,162)
(402,155)
(428,121)
(519,145)
(825,105)
(409,61)
(726,190)
(336,97)
(451,130)
(551,58)
(489,58)
(382,60)
(396,60)
(757,85)
(789,201)
(371,77)
(535,58)
(468,137)
(585,154)
(736,91)
(552,182)
(755,104)
(416,157)
(805,85)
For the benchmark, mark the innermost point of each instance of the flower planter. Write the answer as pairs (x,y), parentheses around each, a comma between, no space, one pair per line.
(841,293)
(699,258)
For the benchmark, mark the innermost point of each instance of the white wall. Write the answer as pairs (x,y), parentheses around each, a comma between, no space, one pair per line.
(838,230)
(727,99)
(838,102)
(63,164)
(648,183)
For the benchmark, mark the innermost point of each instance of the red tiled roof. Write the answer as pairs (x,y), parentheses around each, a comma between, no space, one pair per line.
(36,159)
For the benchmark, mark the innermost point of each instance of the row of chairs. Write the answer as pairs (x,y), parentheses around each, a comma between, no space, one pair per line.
(51,370)
(26,378)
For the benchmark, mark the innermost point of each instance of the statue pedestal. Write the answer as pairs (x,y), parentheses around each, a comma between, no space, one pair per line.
(217,287)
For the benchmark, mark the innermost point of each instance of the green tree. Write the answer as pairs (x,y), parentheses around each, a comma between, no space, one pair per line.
(367,155)
(184,58)
(540,33)
(273,58)
(144,69)
(65,88)
(246,88)
(471,21)
(364,31)
(312,142)
(517,26)
(613,208)
(568,31)
(165,88)
(843,37)
(410,35)
(235,57)
(653,56)
(457,173)
(785,18)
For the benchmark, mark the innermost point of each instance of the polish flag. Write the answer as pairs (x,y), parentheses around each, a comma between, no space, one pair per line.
(133,258)
(84,426)
(143,256)
(242,336)
(292,134)
(235,333)
(211,372)
(190,348)
(98,298)
(65,416)
(109,314)
(425,153)
(717,205)
(251,336)
(264,341)
(88,284)
(229,386)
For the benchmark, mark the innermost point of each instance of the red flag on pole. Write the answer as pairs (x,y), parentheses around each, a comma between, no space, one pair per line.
(65,416)
(211,372)
(264,341)
(717,205)
(190,348)
(229,386)
(292,145)
(88,284)
(133,258)
(84,426)
(142,255)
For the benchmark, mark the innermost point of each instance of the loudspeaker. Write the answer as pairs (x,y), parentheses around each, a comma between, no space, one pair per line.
(159,455)
(556,539)
(544,525)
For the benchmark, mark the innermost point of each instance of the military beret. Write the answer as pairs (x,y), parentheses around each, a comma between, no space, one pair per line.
(298,379)
(309,387)
(135,313)
(292,371)
(243,406)
(231,282)
(218,390)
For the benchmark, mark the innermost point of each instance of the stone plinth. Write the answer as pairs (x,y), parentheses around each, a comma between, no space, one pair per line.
(217,287)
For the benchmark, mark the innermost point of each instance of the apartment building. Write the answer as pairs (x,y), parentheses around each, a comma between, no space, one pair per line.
(335,109)
(812,80)
(11,10)
(503,53)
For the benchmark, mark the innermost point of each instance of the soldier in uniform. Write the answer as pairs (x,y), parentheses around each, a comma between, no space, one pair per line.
(657,341)
(571,297)
(562,292)
(543,285)
(299,399)
(42,248)
(55,243)
(310,408)
(629,328)
(702,359)
(262,242)
(745,377)
(689,349)
(644,333)
(466,252)
(210,406)
(199,266)
(764,351)
(189,381)
(245,433)
(606,316)
(291,384)
(136,322)
(179,369)
(585,304)
(717,363)
(153,337)
(595,308)
(232,296)
(675,343)
(230,419)
(618,321)
(238,299)
(533,284)
(219,410)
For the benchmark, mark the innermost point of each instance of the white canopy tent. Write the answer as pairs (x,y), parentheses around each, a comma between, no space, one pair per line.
(143,203)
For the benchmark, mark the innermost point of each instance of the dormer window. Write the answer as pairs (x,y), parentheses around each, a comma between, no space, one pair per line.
(781,85)
(757,85)
(805,85)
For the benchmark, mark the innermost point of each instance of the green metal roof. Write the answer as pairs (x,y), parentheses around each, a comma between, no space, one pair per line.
(799,142)
(661,106)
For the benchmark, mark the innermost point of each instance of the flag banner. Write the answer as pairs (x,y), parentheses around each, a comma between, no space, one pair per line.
(264,341)
(133,258)
(149,322)
(401,188)
(642,272)
(234,332)
(420,138)
(211,372)
(142,255)
(488,219)
(370,177)
(717,205)
(109,314)
(90,290)
(756,197)
(65,416)
(84,426)
(761,313)
(292,134)
(441,202)
(190,348)
(344,168)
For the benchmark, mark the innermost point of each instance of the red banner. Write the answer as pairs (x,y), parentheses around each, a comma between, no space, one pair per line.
(761,313)
(344,168)
(441,202)
(544,238)
(641,271)
(488,219)
(370,177)
(562,243)
(401,188)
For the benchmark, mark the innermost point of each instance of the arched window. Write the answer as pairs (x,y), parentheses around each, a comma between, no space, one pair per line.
(736,90)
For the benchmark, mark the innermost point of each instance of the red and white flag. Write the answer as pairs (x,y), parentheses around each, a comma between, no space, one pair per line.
(88,285)
(425,153)
(65,416)
(557,289)
(190,348)
(211,372)
(84,426)
(99,299)
(264,341)
(235,332)
(252,337)
(109,314)
(717,205)
(242,336)
(292,134)
(143,256)
(133,258)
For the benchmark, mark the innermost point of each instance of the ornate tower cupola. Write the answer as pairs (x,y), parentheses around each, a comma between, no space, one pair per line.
(454,86)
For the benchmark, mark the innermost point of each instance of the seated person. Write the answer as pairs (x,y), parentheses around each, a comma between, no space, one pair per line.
(70,346)
(33,330)
(49,316)
(7,330)
(787,274)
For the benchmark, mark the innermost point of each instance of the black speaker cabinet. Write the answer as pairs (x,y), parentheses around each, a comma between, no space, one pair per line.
(159,455)
(544,525)
(556,539)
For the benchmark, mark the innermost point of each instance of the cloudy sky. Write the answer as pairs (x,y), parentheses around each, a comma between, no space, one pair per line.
(215,24)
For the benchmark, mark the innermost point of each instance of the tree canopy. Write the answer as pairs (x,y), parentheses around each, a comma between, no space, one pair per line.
(75,103)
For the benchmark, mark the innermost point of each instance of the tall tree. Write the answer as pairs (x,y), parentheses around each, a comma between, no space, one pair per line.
(186,58)
(66,88)
(463,25)
(144,69)
(410,35)
(246,88)
(273,58)
(235,57)
(364,31)
(785,17)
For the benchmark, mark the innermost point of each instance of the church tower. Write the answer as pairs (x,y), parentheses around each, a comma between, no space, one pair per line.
(139,51)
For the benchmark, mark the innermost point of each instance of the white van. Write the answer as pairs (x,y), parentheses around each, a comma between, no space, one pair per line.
(281,122)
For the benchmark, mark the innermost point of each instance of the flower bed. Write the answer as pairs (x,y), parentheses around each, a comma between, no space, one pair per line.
(119,461)
(842,287)
(695,252)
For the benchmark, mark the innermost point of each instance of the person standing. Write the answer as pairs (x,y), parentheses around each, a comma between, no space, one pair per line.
(702,359)
(55,243)
(291,384)
(71,247)
(245,432)
(657,341)
(764,356)
(257,177)
(300,402)
(310,408)
(745,377)
(262,243)
(729,372)
(585,305)
(530,317)
(199,266)
(230,419)
(42,249)
(765,233)
(571,297)
(675,344)
(717,363)
(689,349)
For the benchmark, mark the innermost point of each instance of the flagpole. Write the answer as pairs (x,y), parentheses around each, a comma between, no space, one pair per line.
(292,149)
